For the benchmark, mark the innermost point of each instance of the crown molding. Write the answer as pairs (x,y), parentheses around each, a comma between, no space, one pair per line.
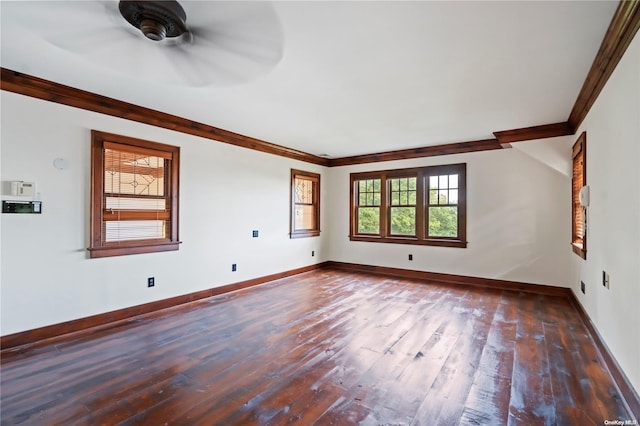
(534,132)
(24,84)
(427,151)
(623,27)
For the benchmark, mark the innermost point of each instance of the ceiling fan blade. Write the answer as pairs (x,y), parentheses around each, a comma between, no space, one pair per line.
(238,40)
(76,26)
(223,68)
(186,69)
(51,17)
(227,43)
(254,49)
(55,13)
(92,42)
(237,25)
(197,70)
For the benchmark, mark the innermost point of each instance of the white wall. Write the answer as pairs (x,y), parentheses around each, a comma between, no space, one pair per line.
(226,192)
(613,229)
(518,221)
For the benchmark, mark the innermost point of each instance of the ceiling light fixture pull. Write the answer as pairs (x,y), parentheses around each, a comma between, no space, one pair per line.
(153,30)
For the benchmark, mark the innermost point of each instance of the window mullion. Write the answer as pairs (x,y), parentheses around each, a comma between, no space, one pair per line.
(384,206)
(426,205)
(420,205)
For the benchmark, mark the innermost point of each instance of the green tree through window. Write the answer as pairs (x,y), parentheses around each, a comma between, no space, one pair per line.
(369,199)
(443,208)
(403,205)
(414,206)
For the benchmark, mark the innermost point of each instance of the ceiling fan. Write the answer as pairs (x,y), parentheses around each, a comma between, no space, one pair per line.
(155,19)
(193,43)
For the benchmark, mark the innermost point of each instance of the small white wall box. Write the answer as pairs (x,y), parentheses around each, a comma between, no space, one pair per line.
(22,207)
(21,188)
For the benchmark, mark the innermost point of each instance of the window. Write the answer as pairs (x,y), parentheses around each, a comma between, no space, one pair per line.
(410,206)
(134,196)
(402,209)
(368,207)
(579,214)
(443,205)
(305,204)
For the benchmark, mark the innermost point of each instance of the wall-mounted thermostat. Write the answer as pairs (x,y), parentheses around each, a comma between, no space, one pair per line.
(22,207)
(25,189)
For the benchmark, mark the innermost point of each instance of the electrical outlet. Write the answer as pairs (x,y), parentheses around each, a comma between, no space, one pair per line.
(605,279)
(151,282)
(234,267)
(255,233)
(410,257)
(313,253)
(583,287)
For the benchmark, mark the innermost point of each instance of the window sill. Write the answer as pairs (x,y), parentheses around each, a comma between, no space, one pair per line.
(125,249)
(414,241)
(577,249)
(304,234)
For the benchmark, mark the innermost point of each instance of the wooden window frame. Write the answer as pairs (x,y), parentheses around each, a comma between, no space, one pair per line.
(315,178)
(98,248)
(579,150)
(422,212)
(381,193)
(390,204)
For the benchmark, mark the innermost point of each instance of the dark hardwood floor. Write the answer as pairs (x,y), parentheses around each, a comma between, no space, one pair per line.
(325,347)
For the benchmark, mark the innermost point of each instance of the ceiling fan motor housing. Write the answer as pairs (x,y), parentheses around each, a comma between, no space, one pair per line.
(156,19)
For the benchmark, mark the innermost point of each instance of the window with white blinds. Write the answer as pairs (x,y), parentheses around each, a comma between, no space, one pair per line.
(579,179)
(134,206)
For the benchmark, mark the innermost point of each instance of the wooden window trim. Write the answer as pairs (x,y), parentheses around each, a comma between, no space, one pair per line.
(421,237)
(578,149)
(315,178)
(97,248)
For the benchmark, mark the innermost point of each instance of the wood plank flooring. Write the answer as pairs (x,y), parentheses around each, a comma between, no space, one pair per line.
(326,348)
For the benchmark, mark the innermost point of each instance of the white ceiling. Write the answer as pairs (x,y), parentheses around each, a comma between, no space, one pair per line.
(351,77)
